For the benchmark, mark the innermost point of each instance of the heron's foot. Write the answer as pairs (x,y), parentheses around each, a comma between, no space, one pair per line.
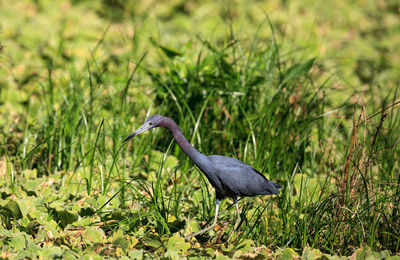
(188,237)
(238,219)
(230,236)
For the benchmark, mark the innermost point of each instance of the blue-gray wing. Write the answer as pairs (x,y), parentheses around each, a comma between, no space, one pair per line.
(240,179)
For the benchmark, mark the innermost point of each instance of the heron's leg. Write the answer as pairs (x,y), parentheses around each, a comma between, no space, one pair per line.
(238,219)
(188,237)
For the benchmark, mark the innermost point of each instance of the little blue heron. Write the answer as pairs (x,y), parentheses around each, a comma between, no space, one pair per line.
(229,177)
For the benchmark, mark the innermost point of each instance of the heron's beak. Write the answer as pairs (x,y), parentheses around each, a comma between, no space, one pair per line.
(141,129)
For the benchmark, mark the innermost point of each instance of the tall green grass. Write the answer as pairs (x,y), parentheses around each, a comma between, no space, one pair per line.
(241,98)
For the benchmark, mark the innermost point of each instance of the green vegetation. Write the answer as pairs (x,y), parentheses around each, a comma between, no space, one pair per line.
(307,94)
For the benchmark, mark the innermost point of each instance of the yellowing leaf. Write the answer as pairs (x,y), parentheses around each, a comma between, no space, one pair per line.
(177,245)
(94,235)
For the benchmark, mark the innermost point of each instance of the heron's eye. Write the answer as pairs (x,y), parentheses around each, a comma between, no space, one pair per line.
(150,123)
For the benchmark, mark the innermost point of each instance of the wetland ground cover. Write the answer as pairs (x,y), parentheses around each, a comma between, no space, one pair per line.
(306,93)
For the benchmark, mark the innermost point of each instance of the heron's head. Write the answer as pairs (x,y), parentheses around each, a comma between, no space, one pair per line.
(150,123)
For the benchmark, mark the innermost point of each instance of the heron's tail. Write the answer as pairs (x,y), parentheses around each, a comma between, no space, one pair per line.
(276,187)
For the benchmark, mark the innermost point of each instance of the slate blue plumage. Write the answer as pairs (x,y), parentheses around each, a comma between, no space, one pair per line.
(229,177)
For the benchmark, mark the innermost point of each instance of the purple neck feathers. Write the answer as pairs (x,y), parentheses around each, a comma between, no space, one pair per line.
(180,139)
